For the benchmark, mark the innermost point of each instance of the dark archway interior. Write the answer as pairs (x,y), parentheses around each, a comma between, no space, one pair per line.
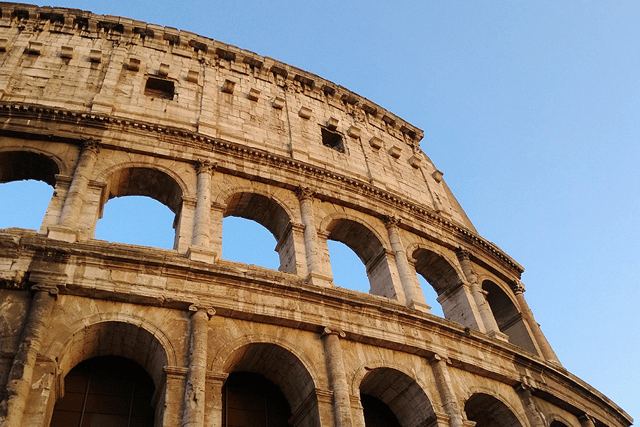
(21,165)
(250,399)
(377,413)
(401,394)
(487,411)
(106,391)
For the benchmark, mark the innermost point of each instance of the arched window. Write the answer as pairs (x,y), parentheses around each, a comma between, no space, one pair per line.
(147,216)
(106,391)
(246,241)
(347,269)
(487,411)
(377,413)
(267,213)
(250,399)
(508,318)
(441,277)
(29,181)
(366,245)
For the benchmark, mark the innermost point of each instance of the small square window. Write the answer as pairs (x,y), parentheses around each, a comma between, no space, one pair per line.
(332,140)
(159,88)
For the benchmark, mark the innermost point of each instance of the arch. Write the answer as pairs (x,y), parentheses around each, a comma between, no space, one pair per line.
(115,334)
(265,209)
(18,165)
(508,317)
(557,420)
(404,396)
(486,410)
(331,221)
(281,365)
(435,268)
(146,180)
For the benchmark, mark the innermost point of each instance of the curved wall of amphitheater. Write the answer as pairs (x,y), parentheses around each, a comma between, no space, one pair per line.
(101,107)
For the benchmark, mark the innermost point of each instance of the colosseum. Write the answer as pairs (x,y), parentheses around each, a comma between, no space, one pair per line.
(105,334)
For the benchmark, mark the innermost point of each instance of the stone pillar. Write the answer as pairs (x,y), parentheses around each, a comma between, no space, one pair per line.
(337,377)
(536,419)
(314,269)
(408,277)
(194,393)
(586,420)
(213,396)
(200,249)
(445,390)
(67,227)
(21,373)
(490,325)
(547,352)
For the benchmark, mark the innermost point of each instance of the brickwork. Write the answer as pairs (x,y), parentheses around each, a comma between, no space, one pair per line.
(102,107)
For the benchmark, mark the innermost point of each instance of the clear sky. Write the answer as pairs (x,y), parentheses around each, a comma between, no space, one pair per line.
(531,110)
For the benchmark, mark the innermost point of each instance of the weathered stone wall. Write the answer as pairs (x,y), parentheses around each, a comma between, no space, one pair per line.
(102,107)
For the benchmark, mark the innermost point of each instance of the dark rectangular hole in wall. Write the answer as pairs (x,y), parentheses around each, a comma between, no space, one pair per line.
(159,88)
(332,140)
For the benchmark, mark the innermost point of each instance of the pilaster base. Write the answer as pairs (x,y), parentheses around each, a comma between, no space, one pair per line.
(319,280)
(498,335)
(200,254)
(61,232)
(420,306)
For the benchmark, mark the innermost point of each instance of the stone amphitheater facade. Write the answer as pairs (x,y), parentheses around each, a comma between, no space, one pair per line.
(101,107)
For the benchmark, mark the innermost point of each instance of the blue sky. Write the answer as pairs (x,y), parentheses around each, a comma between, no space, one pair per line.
(531,110)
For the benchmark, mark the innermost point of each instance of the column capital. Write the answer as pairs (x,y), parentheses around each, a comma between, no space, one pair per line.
(517,286)
(391,221)
(204,166)
(462,254)
(210,312)
(438,358)
(304,193)
(329,331)
(49,288)
(91,144)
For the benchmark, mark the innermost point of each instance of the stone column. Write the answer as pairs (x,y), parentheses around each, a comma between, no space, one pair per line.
(445,390)
(586,420)
(200,248)
(20,375)
(67,229)
(337,377)
(547,352)
(536,419)
(194,393)
(488,320)
(408,277)
(315,276)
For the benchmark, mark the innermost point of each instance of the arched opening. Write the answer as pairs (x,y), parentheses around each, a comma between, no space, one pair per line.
(508,318)
(248,242)
(377,413)
(285,371)
(347,269)
(28,180)
(391,398)
(151,218)
(105,391)
(556,423)
(366,245)
(137,220)
(442,278)
(250,399)
(430,296)
(267,213)
(487,411)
